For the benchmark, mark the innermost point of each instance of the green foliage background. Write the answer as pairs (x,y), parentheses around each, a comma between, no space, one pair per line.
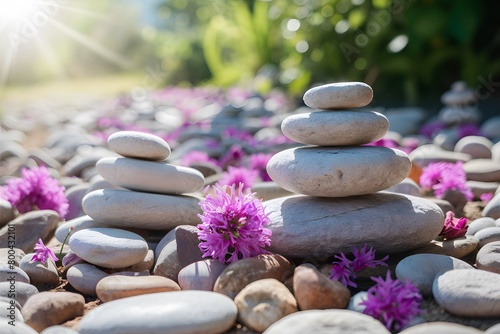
(247,42)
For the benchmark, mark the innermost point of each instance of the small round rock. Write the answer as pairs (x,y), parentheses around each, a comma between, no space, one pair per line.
(135,144)
(488,257)
(341,95)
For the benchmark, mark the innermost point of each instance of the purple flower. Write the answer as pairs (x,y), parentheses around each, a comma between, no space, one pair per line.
(237,175)
(444,176)
(42,253)
(453,227)
(486,197)
(233,157)
(430,129)
(392,302)
(345,270)
(35,190)
(385,142)
(259,162)
(468,129)
(233,225)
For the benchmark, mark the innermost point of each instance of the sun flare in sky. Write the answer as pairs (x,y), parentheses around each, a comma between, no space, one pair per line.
(17,10)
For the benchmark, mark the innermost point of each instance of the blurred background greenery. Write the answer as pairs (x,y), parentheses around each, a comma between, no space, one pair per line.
(410,51)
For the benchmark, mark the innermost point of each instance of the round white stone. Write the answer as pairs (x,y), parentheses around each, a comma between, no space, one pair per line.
(108,247)
(195,312)
(305,226)
(135,144)
(342,95)
(150,176)
(338,171)
(335,128)
(141,210)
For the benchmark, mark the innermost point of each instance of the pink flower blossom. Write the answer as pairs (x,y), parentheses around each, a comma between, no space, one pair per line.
(42,253)
(259,162)
(237,175)
(233,157)
(345,270)
(233,225)
(36,190)
(444,176)
(453,227)
(392,302)
(486,197)
(197,157)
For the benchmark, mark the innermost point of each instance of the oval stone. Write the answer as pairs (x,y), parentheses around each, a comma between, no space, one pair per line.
(478,147)
(135,144)
(164,312)
(200,275)
(341,95)
(468,292)
(150,176)
(335,128)
(116,287)
(422,269)
(488,257)
(327,321)
(305,226)
(492,208)
(485,170)
(141,210)
(108,247)
(84,277)
(338,171)
(441,328)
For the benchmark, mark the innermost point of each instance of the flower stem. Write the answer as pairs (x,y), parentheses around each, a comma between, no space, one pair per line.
(64,242)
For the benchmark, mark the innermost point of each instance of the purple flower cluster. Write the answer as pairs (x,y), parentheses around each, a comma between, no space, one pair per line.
(444,176)
(43,253)
(344,270)
(35,190)
(393,302)
(233,225)
(453,227)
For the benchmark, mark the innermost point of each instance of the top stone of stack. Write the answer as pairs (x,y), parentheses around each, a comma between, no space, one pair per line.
(342,95)
(139,145)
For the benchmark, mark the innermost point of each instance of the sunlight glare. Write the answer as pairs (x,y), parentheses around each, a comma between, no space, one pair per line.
(17,10)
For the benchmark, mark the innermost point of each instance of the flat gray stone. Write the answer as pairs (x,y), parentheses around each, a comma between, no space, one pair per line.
(479,188)
(164,312)
(480,223)
(492,208)
(337,171)
(200,275)
(468,292)
(422,269)
(39,272)
(150,176)
(426,154)
(108,247)
(478,147)
(407,186)
(341,95)
(167,262)
(7,212)
(141,210)
(84,277)
(458,247)
(10,312)
(22,291)
(304,226)
(122,286)
(488,257)
(327,322)
(269,190)
(134,144)
(28,228)
(78,224)
(335,128)
(11,256)
(487,235)
(485,170)
(9,272)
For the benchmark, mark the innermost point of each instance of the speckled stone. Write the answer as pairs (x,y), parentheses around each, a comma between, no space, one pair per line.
(335,128)
(150,176)
(337,171)
(134,144)
(341,95)
(305,226)
(327,321)
(468,292)
(263,302)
